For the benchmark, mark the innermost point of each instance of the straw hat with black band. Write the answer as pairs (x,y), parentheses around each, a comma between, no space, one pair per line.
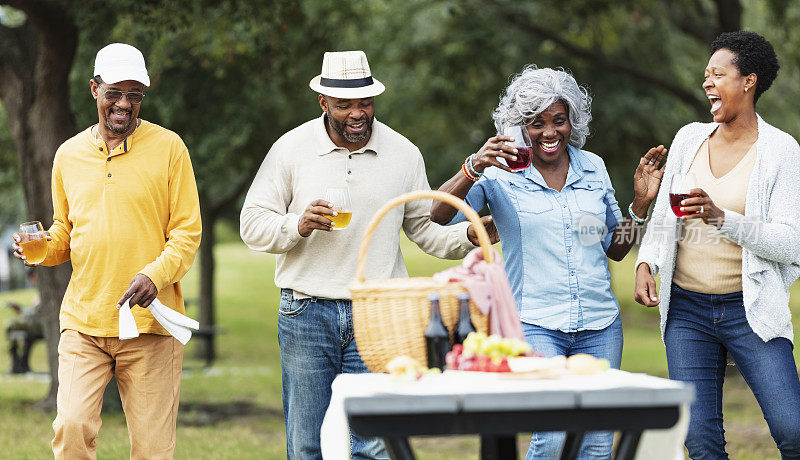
(346,75)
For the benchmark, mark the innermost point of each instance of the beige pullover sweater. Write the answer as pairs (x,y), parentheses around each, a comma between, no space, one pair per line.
(298,169)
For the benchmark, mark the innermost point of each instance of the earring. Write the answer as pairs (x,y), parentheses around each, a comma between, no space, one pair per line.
(745,90)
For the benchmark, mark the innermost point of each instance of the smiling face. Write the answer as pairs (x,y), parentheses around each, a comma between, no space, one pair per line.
(119,117)
(729,92)
(349,120)
(550,132)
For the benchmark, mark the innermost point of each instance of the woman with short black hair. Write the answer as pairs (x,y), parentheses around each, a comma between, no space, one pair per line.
(725,281)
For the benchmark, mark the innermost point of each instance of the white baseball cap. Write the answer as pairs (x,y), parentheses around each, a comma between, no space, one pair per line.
(119,62)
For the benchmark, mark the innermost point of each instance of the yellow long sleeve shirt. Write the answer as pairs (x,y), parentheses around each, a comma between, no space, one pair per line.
(116,214)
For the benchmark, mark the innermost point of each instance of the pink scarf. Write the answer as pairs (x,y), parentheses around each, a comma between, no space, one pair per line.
(489,289)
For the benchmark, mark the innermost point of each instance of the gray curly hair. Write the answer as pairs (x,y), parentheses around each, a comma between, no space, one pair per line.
(533,90)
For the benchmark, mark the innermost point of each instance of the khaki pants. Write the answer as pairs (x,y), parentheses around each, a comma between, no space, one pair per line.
(148,372)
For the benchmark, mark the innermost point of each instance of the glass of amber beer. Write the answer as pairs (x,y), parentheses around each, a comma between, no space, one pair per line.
(340,199)
(33,242)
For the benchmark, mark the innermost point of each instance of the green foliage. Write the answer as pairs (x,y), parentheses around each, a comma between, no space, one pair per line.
(454,59)
(231,76)
(779,22)
(446,63)
(11,200)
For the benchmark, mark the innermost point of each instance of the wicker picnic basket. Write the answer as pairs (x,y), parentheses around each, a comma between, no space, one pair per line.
(390,315)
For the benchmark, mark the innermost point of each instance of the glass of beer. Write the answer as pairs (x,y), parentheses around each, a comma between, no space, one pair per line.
(33,242)
(340,199)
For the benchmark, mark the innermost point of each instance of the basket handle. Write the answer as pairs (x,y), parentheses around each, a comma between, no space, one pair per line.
(483,236)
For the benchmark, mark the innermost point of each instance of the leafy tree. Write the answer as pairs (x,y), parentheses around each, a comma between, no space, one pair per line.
(35,60)
(228,88)
(11,200)
(642,61)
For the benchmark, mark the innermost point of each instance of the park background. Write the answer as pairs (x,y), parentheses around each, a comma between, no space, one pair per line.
(232,76)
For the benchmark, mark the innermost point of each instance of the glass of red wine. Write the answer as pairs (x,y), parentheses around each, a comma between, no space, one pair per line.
(679,190)
(522,142)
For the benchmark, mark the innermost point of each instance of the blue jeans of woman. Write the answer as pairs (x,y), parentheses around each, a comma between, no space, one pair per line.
(317,344)
(603,343)
(701,330)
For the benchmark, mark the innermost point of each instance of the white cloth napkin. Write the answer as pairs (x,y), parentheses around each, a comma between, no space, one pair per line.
(127,325)
(180,326)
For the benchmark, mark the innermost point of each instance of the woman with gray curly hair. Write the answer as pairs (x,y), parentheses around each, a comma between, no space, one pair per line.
(558,222)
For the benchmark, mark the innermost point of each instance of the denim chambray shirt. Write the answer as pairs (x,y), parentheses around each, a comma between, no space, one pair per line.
(554,243)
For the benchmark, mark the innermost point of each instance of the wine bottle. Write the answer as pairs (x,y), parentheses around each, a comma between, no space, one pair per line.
(464,325)
(437,340)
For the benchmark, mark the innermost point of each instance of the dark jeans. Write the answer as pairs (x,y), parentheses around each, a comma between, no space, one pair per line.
(316,340)
(701,330)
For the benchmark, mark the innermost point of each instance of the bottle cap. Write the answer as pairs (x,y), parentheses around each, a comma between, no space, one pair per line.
(463,296)
(433,297)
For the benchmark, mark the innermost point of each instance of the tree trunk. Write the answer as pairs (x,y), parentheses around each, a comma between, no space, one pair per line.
(205,349)
(210,210)
(35,61)
(52,285)
(729,13)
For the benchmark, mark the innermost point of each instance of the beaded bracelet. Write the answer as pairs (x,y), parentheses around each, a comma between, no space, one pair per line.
(467,174)
(471,167)
(469,170)
(635,218)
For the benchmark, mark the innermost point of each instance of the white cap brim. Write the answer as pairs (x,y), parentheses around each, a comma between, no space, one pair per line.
(117,75)
(374,89)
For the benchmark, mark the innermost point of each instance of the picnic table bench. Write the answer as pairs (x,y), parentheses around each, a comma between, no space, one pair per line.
(23,331)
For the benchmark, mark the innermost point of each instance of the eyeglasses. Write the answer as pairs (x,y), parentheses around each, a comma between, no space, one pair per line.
(134,97)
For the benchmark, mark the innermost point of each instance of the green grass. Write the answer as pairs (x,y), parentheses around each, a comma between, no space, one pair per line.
(233,410)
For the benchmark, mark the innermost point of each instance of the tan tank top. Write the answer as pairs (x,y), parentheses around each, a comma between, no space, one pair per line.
(706,261)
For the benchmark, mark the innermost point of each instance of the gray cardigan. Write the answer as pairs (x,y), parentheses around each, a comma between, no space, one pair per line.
(769,231)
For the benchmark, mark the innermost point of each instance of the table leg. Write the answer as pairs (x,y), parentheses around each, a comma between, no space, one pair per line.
(498,447)
(398,448)
(572,445)
(628,442)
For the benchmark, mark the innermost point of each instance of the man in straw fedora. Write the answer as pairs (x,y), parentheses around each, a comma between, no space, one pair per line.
(285,214)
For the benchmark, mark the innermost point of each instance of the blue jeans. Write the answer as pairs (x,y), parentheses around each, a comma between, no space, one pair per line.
(316,340)
(603,343)
(701,330)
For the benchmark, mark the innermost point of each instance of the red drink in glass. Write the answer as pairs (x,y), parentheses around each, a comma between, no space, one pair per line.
(522,142)
(675,202)
(523,159)
(679,189)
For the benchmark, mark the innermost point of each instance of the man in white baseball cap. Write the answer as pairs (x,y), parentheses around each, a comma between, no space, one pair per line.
(127,217)
(291,210)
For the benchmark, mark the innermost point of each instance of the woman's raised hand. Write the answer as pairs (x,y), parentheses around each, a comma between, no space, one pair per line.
(493,149)
(647,177)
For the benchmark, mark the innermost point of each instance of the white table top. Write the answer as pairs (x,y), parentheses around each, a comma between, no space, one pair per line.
(477,391)
(452,392)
